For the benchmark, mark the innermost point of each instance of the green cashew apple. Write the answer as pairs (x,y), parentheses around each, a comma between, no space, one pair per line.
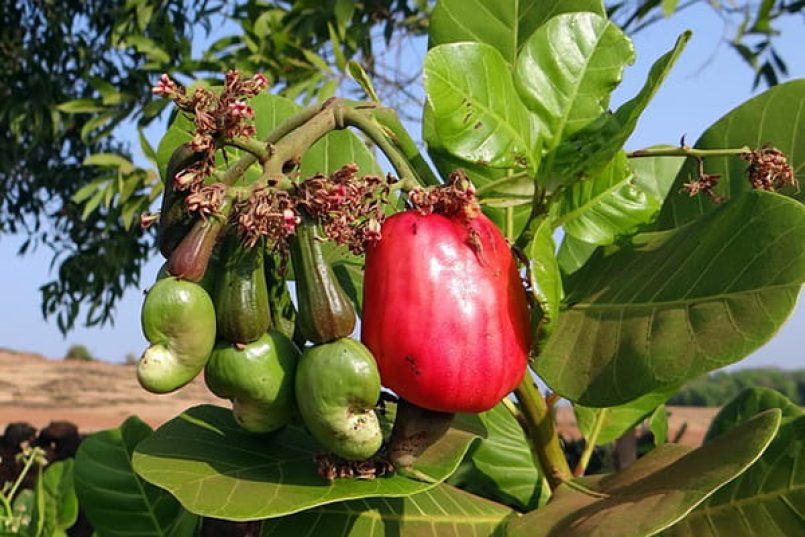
(258,378)
(337,387)
(241,293)
(178,319)
(325,311)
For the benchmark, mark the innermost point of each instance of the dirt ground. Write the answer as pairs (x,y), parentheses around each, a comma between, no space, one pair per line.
(93,395)
(99,395)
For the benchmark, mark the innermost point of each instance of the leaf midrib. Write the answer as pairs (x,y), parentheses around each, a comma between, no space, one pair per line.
(671,303)
(757,497)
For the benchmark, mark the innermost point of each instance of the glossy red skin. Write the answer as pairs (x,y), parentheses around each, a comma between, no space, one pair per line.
(447,323)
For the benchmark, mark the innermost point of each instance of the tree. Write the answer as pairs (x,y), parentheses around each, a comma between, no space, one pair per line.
(68,182)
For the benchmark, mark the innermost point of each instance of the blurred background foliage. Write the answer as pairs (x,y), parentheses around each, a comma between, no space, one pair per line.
(75,78)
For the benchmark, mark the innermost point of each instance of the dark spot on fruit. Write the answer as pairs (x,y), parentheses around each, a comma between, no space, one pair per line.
(413,228)
(412,363)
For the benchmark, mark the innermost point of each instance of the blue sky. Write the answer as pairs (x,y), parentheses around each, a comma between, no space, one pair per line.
(708,81)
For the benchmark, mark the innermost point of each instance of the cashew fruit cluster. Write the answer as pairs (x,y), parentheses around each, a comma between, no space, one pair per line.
(445,324)
(223,307)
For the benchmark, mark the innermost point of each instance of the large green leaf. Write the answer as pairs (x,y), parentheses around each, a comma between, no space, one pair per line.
(501,466)
(606,206)
(545,279)
(775,117)
(110,492)
(652,494)
(217,469)
(478,116)
(592,147)
(567,70)
(443,510)
(504,24)
(672,305)
(767,500)
(617,420)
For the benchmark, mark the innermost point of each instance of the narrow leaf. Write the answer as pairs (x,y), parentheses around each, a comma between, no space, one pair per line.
(545,279)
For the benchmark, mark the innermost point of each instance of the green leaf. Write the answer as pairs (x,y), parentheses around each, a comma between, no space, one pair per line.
(775,117)
(81,106)
(94,123)
(616,202)
(745,405)
(545,279)
(652,494)
(591,148)
(658,425)
(501,466)
(109,490)
(95,200)
(767,500)
(655,175)
(573,254)
(672,305)
(359,75)
(503,24)
(503,186)
(60,503)
(216,469)
(109,160)
(617,420)
(443,510)
(477,114)
(567,70)
(146,147)
(609,205)
(668,7)
(148,47)
(334,151)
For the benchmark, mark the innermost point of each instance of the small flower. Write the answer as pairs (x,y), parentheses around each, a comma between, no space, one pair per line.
(239,109)
(165,87)
(260,80)
(290,220)
(184,179)
(201,143)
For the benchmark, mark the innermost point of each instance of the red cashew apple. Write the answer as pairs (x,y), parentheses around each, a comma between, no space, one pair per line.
(445,312)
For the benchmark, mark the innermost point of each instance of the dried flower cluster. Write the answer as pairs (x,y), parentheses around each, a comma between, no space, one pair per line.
(455,197)
(349,208)
(268,213)
(705,183)
(206,200)
(216,116)
(768,169)
(331,467)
